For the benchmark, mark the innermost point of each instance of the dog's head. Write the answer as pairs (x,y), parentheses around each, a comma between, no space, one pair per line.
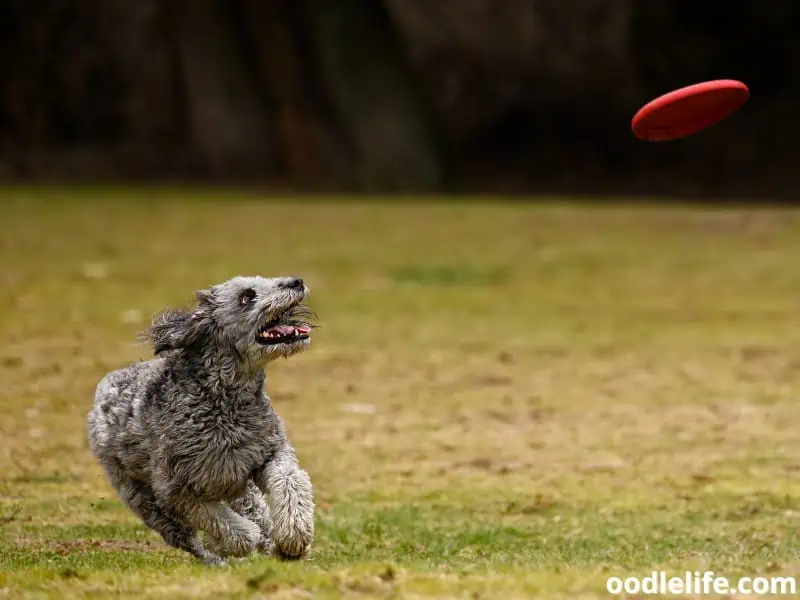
(255,318)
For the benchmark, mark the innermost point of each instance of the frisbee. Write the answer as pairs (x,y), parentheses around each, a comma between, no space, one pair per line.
(688,110)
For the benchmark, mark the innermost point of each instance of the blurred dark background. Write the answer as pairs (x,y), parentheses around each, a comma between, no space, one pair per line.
(434,96)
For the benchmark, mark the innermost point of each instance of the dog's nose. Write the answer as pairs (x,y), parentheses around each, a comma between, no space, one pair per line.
(294,283)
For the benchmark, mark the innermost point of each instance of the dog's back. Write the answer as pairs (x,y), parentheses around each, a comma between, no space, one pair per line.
(118,424)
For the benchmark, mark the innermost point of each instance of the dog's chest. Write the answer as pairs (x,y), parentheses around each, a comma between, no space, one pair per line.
(223,456)
(227,466)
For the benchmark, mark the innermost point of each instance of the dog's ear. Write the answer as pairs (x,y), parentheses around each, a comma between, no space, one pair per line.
(175,330)
(180,329)
(205,297)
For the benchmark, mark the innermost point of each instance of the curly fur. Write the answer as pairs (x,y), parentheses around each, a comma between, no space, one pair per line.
(190,440)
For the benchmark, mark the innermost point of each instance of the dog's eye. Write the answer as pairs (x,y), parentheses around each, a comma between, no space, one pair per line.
(248,296)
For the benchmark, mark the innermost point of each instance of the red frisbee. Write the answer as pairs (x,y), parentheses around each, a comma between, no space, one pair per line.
(688,110)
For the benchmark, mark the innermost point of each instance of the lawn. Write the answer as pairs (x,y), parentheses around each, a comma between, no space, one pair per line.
(503,400)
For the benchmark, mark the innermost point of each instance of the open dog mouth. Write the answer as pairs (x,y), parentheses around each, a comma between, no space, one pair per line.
(287,328)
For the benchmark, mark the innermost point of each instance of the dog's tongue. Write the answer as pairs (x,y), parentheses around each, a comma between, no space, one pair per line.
(282,330)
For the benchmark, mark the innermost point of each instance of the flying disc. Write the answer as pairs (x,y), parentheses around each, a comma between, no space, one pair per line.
(688,110)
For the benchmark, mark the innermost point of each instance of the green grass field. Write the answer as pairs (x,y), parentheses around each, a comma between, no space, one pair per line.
(502,401)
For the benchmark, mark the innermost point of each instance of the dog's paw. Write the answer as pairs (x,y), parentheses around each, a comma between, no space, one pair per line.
(293,556)
(244,540)
(292,549)
(292,539)
(213,560)
(265,545)
(239,542)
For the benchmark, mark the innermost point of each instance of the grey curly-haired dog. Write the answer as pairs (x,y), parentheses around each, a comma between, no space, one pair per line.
(190,440)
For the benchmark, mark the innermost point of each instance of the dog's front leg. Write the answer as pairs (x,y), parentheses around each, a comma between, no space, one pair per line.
(291,503)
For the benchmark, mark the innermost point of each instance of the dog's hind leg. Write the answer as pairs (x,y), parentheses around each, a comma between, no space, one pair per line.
(229,533)
(253,506)
(142,501)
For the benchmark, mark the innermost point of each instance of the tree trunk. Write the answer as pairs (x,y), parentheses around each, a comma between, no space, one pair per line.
(361,65)
(228,125)
(286,76)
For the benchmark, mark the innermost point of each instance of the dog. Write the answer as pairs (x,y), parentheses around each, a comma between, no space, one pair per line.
(189,439)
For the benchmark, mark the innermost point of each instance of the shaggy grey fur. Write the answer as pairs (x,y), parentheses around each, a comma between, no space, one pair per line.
(190,440)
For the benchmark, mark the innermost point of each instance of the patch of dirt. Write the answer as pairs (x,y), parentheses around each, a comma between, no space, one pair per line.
(65,547)
(539,505)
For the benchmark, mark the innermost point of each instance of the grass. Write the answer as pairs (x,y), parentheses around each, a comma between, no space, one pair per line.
(503,400)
